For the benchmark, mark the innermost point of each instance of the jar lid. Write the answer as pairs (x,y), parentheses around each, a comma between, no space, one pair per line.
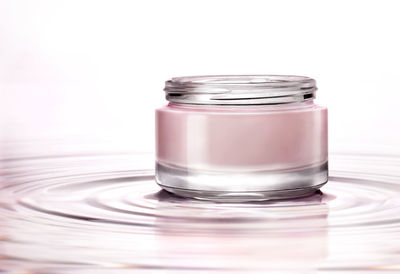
(240,89)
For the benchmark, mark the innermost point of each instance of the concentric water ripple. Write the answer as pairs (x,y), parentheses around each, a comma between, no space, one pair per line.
(105,214)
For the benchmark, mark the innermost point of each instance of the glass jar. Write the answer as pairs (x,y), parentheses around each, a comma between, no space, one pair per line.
(241,138)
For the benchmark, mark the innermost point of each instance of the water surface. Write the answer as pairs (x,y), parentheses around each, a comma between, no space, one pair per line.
(105,214)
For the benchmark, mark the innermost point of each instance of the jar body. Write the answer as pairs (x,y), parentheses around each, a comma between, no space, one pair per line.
(241,153)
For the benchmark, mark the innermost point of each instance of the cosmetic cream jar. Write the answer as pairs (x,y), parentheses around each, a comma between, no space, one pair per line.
(241,138)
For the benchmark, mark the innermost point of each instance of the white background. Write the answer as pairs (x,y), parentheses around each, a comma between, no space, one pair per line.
(93,71)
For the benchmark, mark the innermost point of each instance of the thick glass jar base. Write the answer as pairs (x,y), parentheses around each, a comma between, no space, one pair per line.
(241,187)
(248,196)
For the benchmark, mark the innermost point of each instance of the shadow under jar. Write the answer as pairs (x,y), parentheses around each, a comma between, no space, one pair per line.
(241,138)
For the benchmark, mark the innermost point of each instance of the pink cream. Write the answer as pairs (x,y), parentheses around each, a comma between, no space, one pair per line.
(246,139)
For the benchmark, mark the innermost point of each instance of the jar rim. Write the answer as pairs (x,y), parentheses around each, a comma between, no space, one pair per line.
(240,89)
